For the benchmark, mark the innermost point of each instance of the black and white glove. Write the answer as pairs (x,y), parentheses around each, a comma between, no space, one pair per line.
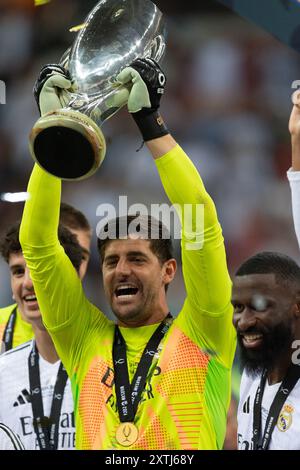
(50,88)
(147,82)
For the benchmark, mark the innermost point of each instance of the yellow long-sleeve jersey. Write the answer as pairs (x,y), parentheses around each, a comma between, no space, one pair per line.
(185,400)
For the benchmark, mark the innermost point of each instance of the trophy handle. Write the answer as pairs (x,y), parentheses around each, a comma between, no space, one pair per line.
(157,49)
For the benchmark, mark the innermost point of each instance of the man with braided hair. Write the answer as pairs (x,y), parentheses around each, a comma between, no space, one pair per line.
(266,302)
(149,381)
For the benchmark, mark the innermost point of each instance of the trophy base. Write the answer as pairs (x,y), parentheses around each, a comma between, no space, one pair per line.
(67,144)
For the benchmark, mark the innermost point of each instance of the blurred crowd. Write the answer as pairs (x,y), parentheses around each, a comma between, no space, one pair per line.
(227,103)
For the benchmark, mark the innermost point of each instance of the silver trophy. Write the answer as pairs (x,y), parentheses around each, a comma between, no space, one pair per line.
(69,143)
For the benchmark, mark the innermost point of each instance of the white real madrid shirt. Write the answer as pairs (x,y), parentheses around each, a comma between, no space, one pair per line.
(286,434)
(15,405)
(294,180)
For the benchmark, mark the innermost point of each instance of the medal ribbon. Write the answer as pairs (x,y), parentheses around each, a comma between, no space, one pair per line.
(46,429)
(128,395)
(287,385)
(9,330)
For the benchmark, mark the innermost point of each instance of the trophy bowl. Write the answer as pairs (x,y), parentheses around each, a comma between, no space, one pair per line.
(69,142)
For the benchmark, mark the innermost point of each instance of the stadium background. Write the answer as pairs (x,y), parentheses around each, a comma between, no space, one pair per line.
(227,103)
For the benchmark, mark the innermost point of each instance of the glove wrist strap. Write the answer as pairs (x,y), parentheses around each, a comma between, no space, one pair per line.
(151,125)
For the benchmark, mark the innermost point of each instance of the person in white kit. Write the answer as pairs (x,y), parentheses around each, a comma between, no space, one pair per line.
(266,301)
(293,173)
(35,393)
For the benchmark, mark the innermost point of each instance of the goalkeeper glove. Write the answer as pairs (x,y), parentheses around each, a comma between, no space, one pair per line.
(148,82)
(50,88)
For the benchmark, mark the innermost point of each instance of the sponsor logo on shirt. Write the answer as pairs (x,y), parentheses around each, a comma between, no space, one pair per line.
(66,430)
(147,393)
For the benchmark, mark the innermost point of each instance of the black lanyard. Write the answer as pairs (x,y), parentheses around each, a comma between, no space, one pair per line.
(9,330)
(128,395)
(285,388)
(46,429)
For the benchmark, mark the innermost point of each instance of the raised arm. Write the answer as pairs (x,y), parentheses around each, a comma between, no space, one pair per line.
(51,270)
(293,173)
(205,271)
(294,128)
(207,310)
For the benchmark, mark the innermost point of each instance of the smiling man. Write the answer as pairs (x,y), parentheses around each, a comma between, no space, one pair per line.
(14,329)
(134,283)
(266,302)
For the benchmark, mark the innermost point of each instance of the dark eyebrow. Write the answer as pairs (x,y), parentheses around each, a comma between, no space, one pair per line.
(235,299)
(137,253)
(110,257)
(130,253)
(15,266)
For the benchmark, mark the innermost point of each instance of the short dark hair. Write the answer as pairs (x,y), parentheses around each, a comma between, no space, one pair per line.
(148,228)
(73,218)
(10,244)
(269,262)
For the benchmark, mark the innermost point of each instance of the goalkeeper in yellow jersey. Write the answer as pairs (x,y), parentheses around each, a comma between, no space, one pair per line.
(147,381)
